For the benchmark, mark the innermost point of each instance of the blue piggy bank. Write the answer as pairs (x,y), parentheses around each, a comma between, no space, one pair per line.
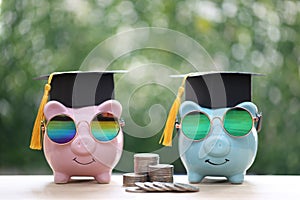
(218,142)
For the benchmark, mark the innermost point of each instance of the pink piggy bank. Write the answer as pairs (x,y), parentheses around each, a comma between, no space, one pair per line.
(85,141)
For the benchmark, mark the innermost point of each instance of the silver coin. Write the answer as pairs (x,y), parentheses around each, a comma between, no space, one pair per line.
(161,167)
(151,185)
(146,155)
(174,188)
(161,170)
(168,179)
(135,190)
(133,175)
(157,174)
(143,160)
(187,187)
(144,187)
(130,178)
(161,185)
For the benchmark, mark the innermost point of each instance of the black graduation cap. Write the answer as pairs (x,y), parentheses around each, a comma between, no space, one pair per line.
(74,89)
(78,89)
(219,89)
(210,90)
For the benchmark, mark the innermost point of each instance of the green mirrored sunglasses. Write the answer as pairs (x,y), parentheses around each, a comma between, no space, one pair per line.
(237,122)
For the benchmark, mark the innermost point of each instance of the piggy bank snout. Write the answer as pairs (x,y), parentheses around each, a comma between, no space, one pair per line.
(217,146)
(83,145)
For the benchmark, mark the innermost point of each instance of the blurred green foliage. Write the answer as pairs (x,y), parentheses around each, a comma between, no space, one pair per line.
(38,37)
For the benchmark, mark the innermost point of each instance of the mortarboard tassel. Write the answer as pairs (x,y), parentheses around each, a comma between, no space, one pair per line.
(166,138)
(36,142)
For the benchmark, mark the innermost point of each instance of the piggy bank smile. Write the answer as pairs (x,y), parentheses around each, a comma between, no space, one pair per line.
(83,163)
(214,163)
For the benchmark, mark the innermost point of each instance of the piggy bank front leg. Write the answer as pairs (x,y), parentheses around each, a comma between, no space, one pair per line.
(237,178)
(103,177)
(60,177)
(194,177)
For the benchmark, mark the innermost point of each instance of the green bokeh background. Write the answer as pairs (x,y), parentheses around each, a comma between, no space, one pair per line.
(38,37)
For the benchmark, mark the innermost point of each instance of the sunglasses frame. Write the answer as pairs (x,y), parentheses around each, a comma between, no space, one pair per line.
(257,119)
(44,125)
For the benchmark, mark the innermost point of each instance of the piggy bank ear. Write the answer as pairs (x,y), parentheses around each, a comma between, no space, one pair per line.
(111,106)
(188,106)
(251,107)
(53,108)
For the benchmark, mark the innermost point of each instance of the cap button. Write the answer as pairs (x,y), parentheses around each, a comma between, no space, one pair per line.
(47,87)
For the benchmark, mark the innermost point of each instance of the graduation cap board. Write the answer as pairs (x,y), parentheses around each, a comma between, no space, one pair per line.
(79,89)
(210,90)
(219,89)
(74,89)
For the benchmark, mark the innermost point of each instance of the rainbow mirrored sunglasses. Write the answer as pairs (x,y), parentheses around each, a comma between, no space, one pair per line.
(237,122)
(62,129)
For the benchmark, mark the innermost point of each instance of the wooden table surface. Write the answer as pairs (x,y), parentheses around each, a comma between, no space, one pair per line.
(43,187)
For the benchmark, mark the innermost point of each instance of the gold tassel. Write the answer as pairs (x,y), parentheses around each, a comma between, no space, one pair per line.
(166,138)
(36,142)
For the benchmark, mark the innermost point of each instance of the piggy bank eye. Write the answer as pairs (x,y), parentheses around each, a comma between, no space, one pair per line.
(61,129)
(105,127)
(195,125)
(238,122)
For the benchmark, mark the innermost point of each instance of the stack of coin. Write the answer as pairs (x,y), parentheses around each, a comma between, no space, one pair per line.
(161,173)
(129,179)
(143,160)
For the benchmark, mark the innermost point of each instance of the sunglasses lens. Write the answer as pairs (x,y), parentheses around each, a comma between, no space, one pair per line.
(105,127)
(61,129)
(195,125)
(238,122)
